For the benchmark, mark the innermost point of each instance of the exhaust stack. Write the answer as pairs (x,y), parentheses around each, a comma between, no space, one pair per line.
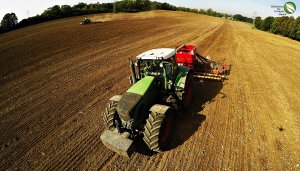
(132,70)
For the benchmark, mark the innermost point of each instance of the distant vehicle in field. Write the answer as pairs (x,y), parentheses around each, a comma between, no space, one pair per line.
(86,21)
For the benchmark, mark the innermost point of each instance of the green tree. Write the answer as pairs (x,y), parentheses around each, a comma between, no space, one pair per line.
(66,10)
(295,29)
(289,27)
(53,12)
(281,25)
(9,22)
(257,22)
(266,24)
(202,11)
(114,8)
(237,17)
(284,26)
(225,15)
(209,12)
(275,25)
(85,9)
(79,6)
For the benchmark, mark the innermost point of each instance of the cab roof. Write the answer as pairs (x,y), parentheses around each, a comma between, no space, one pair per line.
(154,54)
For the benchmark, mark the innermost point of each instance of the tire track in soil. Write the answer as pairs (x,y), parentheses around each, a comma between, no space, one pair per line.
(49,128)
(62,121)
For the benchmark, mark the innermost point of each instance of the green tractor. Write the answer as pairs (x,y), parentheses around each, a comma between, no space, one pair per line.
(160,89)
(86,21)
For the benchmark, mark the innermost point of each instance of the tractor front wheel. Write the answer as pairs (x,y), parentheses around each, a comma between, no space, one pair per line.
(109,114)
(158,130)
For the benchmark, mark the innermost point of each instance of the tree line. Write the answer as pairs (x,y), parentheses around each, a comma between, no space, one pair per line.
(10,20)
(285,26)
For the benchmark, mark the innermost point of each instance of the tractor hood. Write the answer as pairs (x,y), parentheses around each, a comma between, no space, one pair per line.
(131,98)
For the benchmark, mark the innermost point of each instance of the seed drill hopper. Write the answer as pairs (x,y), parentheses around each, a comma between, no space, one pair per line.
(203,67)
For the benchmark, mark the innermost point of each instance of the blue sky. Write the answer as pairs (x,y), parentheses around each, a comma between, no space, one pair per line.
(25,8)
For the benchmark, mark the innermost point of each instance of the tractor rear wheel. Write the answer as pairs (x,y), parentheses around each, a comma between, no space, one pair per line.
(158,130)
(109,114)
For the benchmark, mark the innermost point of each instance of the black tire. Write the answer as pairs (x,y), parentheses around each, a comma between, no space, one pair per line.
(155,128)
(109,114)
(188,90)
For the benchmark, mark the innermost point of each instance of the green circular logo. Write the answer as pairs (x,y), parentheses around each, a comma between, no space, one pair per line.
(289,7)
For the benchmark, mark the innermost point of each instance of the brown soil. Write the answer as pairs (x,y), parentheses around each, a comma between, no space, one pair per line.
(56,78)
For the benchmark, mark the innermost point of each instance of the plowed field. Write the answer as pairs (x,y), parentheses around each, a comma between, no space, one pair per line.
(56,77)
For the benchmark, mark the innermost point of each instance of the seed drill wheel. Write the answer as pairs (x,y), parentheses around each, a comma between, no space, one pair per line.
(158,128)
(188,90)
(108,115)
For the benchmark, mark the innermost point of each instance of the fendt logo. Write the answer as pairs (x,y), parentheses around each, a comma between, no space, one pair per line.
(289,7)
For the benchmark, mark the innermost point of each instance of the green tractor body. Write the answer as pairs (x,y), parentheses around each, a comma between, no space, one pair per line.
(136,101)
(86,21)
(160,88)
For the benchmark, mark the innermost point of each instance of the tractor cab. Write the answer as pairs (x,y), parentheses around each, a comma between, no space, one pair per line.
(160,63)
